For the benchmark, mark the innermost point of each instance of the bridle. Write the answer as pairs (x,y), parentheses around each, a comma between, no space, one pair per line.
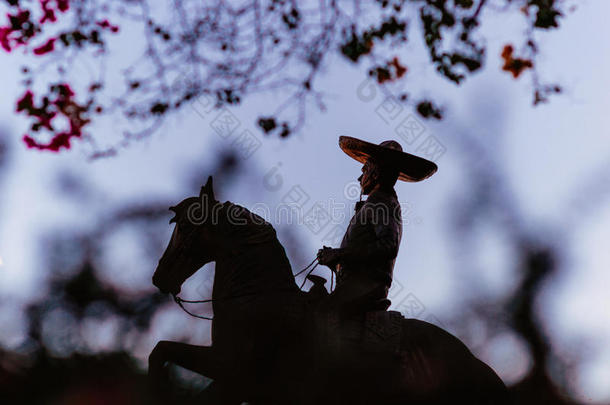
(311,266)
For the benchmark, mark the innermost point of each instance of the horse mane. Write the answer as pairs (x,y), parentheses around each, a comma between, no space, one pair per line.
(244,226)
(233,221)
(262,257)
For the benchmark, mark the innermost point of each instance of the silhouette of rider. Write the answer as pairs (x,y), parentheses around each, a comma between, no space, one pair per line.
(364,262)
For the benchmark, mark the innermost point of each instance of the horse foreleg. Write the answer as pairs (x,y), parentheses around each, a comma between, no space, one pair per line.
(199,359)
(158,373)
(216,394)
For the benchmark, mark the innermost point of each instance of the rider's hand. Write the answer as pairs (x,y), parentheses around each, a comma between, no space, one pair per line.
(329,257)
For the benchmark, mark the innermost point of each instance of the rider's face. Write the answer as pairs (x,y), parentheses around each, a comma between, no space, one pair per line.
(369,178)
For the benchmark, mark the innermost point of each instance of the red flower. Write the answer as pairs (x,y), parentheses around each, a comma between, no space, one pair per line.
(22,17)
(62,104)
(393,70)
(29,141)
(63,5)
(48,13)
(44,119)
(4,38)
(106,25)
(54,145)
(400,69)
(514,65)
(49,46)
(26,102)
(65,92)
(17,26)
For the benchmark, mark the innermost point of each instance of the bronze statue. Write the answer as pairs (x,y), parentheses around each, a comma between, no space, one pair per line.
(365,260)
(264,349)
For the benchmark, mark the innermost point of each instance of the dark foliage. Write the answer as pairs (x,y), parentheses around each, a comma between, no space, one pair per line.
(192,50)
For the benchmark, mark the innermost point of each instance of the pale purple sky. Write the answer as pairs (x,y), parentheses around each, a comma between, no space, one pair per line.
(551,152)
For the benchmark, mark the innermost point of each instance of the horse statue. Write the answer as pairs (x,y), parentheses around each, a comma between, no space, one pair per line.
(271,346)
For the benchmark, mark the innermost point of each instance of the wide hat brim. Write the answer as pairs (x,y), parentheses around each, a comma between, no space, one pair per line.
(411,168)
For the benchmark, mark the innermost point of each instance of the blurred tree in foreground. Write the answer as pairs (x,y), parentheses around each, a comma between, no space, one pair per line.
(538,257)
(89,326)
(81,333)
(153,58)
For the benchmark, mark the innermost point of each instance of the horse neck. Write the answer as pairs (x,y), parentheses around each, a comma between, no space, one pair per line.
(253,270)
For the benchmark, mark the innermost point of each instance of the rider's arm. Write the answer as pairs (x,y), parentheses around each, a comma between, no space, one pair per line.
(384,247)
(387,232)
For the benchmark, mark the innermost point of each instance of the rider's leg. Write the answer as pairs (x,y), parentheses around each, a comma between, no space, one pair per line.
(348,294)
(342,302)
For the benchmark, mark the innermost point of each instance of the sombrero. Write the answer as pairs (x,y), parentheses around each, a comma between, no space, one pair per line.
(411,168)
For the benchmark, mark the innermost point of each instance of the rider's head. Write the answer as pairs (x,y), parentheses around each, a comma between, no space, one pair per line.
(385,163)
(376,174)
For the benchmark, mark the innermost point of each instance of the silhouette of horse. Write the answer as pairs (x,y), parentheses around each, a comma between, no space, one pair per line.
(269,347)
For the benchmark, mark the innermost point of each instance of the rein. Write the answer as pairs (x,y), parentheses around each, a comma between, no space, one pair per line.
(181,301)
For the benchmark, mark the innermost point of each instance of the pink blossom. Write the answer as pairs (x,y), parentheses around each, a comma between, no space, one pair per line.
(49,46)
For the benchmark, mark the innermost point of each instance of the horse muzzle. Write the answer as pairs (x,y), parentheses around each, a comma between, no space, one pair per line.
(163,286)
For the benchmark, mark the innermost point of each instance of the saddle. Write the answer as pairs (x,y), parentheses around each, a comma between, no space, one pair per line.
(369,302)
(369,327)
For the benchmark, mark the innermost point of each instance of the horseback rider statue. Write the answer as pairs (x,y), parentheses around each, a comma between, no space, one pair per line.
(271,346)
(364,262)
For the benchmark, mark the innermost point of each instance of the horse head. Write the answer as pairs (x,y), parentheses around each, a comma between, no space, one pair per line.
(193,243)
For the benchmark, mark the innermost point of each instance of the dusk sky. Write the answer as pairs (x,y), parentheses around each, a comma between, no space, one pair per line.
(551,155)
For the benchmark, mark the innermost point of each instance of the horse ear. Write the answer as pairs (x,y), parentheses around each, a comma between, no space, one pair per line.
(175,211)
(208,190)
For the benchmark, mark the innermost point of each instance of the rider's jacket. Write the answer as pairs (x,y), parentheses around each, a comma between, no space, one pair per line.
(372,239)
